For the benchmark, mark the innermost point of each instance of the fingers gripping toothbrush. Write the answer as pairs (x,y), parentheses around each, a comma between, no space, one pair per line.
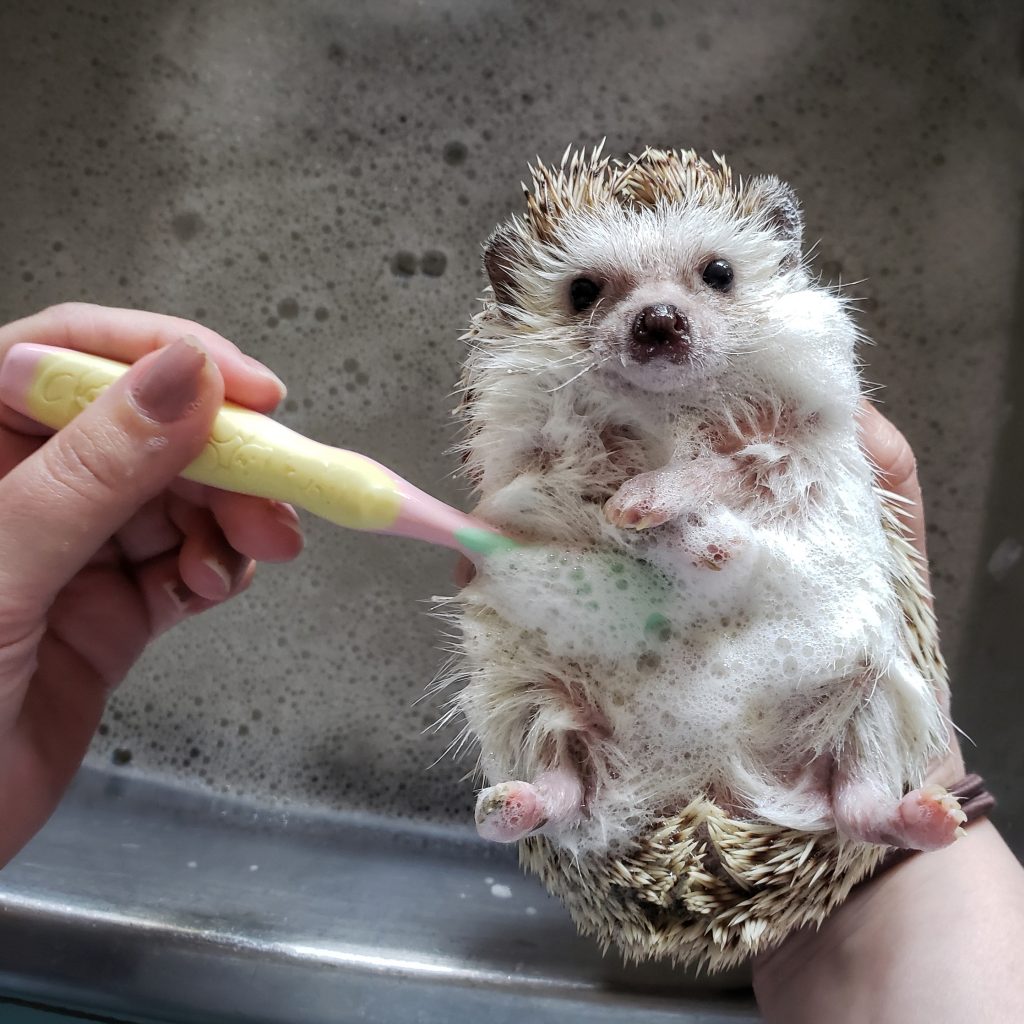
(249,453)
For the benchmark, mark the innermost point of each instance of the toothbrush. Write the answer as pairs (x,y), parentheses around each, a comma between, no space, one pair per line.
(249,453)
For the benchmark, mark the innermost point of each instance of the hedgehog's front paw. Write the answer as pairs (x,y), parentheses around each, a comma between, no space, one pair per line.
(931,818)
(642,503)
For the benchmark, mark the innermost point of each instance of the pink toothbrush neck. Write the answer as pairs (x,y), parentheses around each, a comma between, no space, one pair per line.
(424,517)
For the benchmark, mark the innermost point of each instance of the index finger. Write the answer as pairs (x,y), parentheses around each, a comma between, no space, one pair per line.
(128,334)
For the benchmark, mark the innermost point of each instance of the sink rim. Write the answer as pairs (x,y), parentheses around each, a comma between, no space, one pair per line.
(179,884)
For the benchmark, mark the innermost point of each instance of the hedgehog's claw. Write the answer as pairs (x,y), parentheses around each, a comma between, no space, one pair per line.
(640,504)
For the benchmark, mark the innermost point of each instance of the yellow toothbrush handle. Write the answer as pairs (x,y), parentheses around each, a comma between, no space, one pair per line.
(247,452)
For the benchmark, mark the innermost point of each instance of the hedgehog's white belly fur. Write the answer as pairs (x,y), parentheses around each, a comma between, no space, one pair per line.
(687,680)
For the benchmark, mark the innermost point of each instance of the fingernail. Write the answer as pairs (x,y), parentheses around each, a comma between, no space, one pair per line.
(241,570)
(263,371)
(169,386)
(221,572)
(230,574)
(286,516)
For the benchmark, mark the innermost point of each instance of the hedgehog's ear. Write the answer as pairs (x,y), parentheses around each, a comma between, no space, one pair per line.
(778,208)
(499,258)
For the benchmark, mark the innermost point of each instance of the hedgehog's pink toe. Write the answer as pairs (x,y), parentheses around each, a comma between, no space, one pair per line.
(931,818)
(641,503)
(509,811)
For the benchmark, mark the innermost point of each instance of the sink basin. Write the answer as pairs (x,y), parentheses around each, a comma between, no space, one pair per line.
(143,898)
(267,828)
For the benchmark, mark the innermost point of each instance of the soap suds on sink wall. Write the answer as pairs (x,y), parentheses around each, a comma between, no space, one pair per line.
(266,172)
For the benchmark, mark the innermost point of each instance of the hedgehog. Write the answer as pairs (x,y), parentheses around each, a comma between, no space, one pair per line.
(707,689)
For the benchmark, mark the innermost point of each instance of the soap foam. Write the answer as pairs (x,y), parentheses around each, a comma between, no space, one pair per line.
(585,603)
(716,680)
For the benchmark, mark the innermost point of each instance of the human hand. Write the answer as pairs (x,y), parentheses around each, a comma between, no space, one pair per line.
(101,548)
(937,937)
(896,472)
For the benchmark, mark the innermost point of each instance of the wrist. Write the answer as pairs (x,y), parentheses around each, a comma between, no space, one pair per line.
(931,939)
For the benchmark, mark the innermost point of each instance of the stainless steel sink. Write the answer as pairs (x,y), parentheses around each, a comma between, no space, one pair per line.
(144,898)
(262,832)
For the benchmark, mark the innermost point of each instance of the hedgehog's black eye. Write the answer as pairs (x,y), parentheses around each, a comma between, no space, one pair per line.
(718,275)
(584,293)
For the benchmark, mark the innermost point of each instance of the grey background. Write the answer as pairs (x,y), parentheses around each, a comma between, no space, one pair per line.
(313,179)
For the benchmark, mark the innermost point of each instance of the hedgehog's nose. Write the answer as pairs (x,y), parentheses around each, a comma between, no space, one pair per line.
(660,332)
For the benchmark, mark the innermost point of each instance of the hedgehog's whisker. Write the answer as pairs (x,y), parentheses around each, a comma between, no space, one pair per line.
(569,360)
(593,312)
(592,365)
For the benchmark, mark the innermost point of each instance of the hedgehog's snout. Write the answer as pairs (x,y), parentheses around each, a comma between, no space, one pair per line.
(660,331)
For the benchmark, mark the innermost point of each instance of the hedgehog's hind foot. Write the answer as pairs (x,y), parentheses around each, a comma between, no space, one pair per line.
(513,810)
(925,819)
(931,818)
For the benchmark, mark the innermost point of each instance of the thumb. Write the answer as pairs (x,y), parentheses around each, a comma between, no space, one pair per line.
(62,503)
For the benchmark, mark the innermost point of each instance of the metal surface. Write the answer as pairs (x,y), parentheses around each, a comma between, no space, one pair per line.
(314,178)
(156,901)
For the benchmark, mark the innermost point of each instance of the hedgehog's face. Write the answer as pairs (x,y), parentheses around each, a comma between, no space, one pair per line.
(669,297)
(666,297)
